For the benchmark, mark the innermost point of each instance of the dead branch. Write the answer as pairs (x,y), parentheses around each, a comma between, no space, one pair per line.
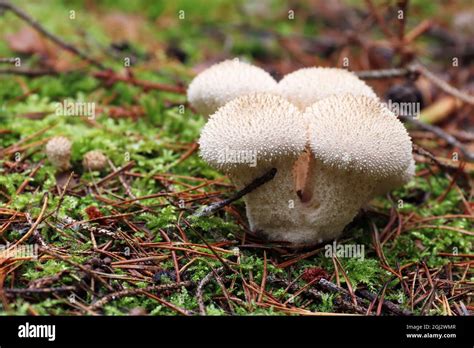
(20,291)
(390,306)
(384,73)
(199,292)
(6,5)
(27,72)
(451,140)
(211,209)
(412,70)
(132,292)
(341,301)
(68,221)
(110,77)
(446,87)
(7,60)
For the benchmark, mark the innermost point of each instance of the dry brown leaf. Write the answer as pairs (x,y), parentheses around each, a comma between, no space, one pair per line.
(122,27)
(439,110)
(27,41)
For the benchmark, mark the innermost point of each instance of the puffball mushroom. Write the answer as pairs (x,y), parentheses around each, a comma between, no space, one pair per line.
(94,160)
(308,85)
(361,150)
(248,137)
(58,151)
(225,81)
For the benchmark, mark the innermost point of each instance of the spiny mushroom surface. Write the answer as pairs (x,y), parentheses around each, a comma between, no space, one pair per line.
(360,150)
(246,138)
(308,85)
(58,151)
(225,81)
(94,160)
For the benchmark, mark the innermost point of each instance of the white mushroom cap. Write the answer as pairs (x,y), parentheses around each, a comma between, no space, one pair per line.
(265,125)
(225,81)
(358,134)
(58,150)
(270,132)
(308,85)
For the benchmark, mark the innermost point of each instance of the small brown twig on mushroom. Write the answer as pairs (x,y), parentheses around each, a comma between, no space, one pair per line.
(6,5)
(211,209)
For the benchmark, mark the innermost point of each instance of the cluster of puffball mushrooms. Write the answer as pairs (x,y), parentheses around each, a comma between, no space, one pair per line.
(334,144)
(58,151)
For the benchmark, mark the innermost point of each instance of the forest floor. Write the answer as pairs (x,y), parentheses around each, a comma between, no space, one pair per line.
(124,240)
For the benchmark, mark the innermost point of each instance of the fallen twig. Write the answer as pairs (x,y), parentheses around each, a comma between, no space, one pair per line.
(451,140)
(342,301)
(446,87)
(27,72)
(132,292)
(384,73)
(33,227)
(110,77)
(38,290)
(413,70)
(390,306)
(68,221)
(199,292)
(211,209)
(6,5)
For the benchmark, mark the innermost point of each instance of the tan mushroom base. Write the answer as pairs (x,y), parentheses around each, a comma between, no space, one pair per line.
(275,211)
(273,207)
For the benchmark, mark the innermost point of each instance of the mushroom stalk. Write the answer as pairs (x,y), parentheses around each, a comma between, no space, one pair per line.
(360,150)
(274,210)
(246,138)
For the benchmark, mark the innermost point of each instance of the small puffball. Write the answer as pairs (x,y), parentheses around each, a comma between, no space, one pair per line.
(260,124)
(58,150)
(225,81)
(94,160)
(306,86)
(357,134)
